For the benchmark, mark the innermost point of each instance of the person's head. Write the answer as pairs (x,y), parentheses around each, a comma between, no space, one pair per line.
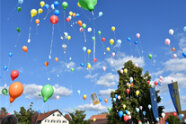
(10,119)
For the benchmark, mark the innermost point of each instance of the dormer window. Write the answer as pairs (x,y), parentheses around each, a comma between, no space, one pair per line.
(53,114)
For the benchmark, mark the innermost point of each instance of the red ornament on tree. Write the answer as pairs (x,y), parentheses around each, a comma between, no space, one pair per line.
(131,85)
(126,118)
(155,83)
(103,39)
(174,114)
(128,91)
(54,19)
(148,82)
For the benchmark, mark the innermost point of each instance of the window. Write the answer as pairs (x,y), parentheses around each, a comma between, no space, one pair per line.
(53,114)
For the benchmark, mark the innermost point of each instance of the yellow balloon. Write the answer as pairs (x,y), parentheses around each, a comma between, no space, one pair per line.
(108,49)
(70,13)
(40,11)
(113,28)
(124,106)
(137,92)
(42,3)
(89,66)
(79,5)
(111,41)
(125,70)
(94,119)
(68,37)
(89,51)
(33,12)
(129,85)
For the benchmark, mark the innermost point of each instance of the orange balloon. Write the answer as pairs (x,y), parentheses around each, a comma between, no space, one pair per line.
(106,100)
(46,63)
(74,14)
(80,23)
(56,59)
(173,49)
(15,90)
(37,21)
(25,48)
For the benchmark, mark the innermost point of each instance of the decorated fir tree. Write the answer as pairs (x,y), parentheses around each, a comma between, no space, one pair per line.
(131,102)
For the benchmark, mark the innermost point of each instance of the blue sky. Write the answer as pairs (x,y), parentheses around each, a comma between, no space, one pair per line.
(152,19)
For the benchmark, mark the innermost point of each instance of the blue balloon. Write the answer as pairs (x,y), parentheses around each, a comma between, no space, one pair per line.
(39,112)
(120,114)
(82,64)
(184,54)
(181,116)
(144,112)
(114,99)
(184,120)
(10,54)
(77,15)
(137,109)
(149,106)
(56,3)
(166,122)
(46,6)
(20,1)
(126,111)
(56,12)
(5,68)
(116,96)
(184,29)
(100,100)
(136,42)
(128,39)
(159,84)
(157,119)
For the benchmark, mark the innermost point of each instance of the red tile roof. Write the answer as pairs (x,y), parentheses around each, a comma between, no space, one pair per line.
(67,117)
(45,115)
(100,116)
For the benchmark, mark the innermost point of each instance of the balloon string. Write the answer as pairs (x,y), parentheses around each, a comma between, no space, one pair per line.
(29,35)
(48,11)
(50,53)
(8,63)
(64,18)
(94,49)
(84,35)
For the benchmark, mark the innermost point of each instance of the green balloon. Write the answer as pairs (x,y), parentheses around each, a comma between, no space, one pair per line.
(93,38)
(19,9)
(72,69)
(74,108)
(47,92)
(99,32)
(18,29)
(109,109)
(64,5)
(88,4)
(150,56)
(84,25)
(4,91)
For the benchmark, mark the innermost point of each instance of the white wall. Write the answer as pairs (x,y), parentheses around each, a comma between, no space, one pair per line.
(55,118)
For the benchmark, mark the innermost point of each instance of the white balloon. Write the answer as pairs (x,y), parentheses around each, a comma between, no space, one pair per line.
(64,46)
(78,91)
(141,107)
(174,56)
(138,35)
(113,54)
(121,71)
(104,68)
(100,13)
(57,97)
(129,116)
(163,115)
(171,31)
(167,41)
(52,6)
(119,97)
(89,29)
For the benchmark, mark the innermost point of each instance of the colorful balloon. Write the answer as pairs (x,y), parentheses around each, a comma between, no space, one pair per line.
(25,48)
(46,63)
(18,29)
(46,6)
(124,106)
(173,49)
(119,42)
(88,4)
(57,97)
(171,31)
(120,114)
(33,12)
(72,69)
(89,66)
(84,96)
(4,91)
(64,46)
(64,5)
(99,32)
(10,54)
(89,29)
(94,119)
(150,56)
(14,74)
(95,60)
(167,41)
(106,100)
(15,90)
(56,3)
(111,41)
(184,29)
(136,42)
(137,93)
(40,11)
(128,39)
(47,92)
(113,54)
(174,56)
(104,68)
(89,51)
(84,25)
(42,3)
(67,19)
(56,12)
(56,59)
(20,1)
(103,39)
(184,54)
(113,28)
(5,68)
(108,49)
(19,9)
(79,22)
(37,21)
(54,19)
(128,91)
(138,35)
(52,6)
(125,70)
(126,118)
(84,49)
(100,14)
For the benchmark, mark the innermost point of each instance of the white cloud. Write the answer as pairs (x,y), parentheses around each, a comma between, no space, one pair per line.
(89,76)
(91,107)
(119,62)
(33,90)
(106,92)
(63,67)
(107,80)
(175,65)
(182,43)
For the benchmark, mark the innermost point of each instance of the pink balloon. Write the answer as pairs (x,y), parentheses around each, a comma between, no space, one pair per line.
(174,56)
(138,35)
(141,107)
(104,68)
(167,41)
(121,71)
(81,29)
(113,54)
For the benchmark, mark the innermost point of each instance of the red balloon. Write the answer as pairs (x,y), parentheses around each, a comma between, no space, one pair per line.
(128,91)
(14,74)
(103,39)
(131,85)
(68,19)
(148,82)
(126,118)
(95,60)
(174,114)
(54,19)
(155,83)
